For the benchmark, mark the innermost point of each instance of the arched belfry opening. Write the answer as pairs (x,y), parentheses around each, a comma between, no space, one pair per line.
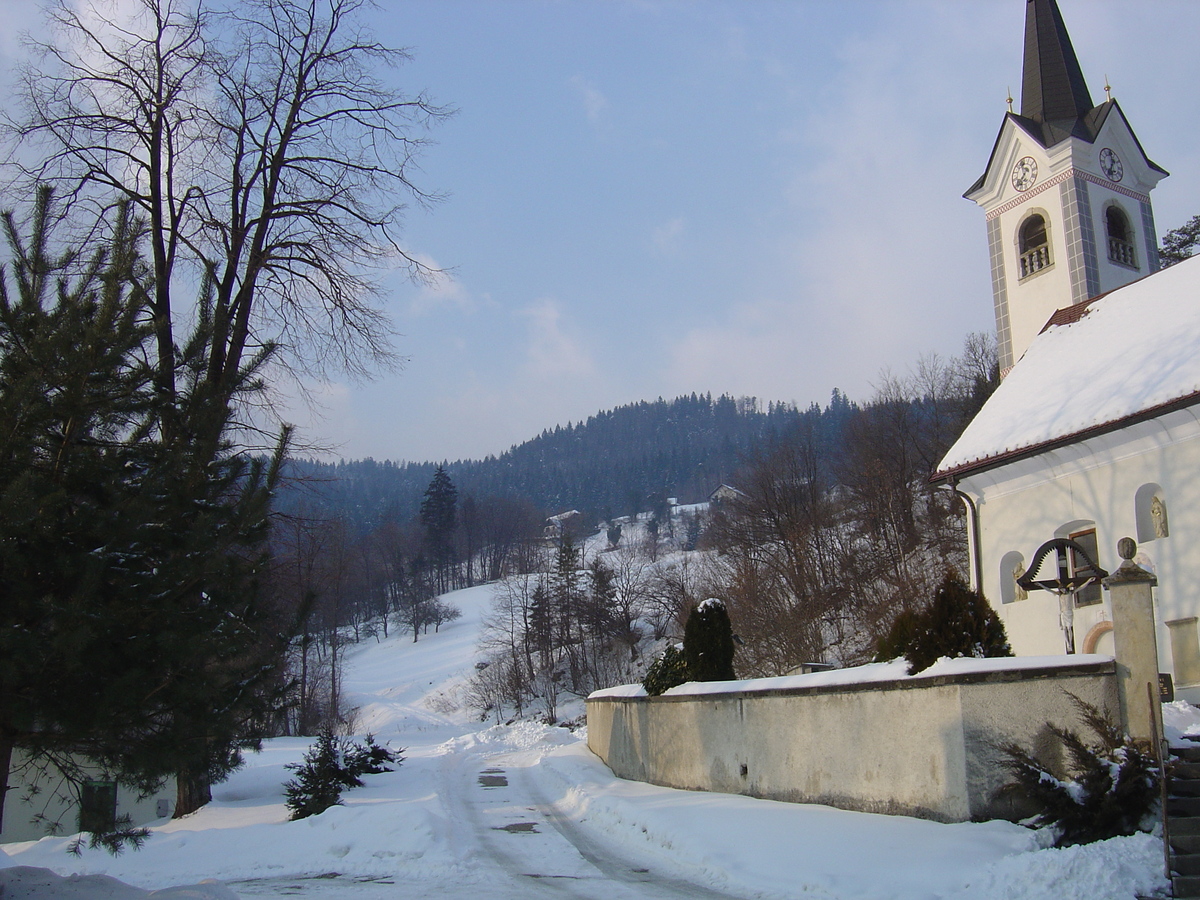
(1033,244)
(1120,236)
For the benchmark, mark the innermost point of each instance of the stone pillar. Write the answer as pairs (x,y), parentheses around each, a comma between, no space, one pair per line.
(1134,634)
(1185,651)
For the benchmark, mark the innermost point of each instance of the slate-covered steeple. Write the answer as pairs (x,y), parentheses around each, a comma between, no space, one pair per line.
(1052,87)
(1055,103)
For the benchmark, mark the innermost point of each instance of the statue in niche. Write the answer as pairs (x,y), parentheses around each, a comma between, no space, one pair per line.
(1158,515)
(1020,592)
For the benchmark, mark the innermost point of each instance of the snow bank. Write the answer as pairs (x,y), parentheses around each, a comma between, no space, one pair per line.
(28,883)
(746,845)
(872,673)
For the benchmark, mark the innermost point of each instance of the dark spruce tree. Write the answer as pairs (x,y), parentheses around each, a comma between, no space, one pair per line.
(708,642)
(439,516)
(666,672)
(566,606)
(1179,243)
(73,390)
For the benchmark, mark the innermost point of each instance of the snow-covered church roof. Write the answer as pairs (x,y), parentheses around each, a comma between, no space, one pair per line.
(1132,354)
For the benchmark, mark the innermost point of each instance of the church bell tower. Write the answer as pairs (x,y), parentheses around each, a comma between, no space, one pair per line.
(1066,193)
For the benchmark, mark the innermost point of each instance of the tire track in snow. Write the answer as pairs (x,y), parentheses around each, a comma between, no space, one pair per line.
(539,851)
(615,869)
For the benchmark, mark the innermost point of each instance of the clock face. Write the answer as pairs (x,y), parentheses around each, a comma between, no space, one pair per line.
(1024,173)
(1111,164)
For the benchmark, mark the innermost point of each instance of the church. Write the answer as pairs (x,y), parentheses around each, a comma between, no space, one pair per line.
(1094,433)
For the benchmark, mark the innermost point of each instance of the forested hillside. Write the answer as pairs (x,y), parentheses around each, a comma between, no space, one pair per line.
(616,463)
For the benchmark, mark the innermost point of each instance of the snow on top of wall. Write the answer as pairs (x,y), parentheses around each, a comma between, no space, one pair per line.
(872,673)
(1135,349)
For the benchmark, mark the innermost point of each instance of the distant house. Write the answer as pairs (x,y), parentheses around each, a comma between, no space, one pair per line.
(725,494)
(563,523)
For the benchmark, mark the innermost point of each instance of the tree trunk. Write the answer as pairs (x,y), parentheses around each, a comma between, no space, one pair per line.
(192,791)
(6,753)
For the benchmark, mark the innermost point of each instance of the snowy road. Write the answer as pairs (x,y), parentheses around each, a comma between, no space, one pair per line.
(516,842)
(537,849)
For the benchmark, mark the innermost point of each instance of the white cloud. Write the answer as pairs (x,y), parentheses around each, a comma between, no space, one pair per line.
(595,104)
(883,260)
(552,352)
(668,237)
(444,290)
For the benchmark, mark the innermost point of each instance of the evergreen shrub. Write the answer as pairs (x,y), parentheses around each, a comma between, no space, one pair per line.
(1111,789)
(896,641)
(666,672)
(959,622)
(708,642)
(330,766)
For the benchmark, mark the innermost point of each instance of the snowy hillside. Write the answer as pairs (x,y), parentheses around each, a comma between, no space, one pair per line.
(524,810)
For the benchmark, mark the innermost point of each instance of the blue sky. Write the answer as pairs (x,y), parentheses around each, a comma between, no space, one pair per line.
(756,197)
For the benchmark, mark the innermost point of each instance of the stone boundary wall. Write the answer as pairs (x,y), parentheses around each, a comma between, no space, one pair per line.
(917,746)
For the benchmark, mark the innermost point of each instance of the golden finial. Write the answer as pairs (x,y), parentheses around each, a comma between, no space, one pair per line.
(1107,88)
(1009,101)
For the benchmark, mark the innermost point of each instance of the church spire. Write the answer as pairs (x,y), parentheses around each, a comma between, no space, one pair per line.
(1094,231)
(1052,89)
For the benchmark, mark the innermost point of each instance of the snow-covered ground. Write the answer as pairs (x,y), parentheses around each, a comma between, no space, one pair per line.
(525,810)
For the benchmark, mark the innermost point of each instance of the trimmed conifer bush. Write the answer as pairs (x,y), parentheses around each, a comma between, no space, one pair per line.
(1110,790)
(959,622)
(896,641)
(666,672)
(708,642)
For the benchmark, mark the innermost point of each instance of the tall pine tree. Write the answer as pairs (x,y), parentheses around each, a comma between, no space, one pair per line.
(133,632)
(439,516)
(74,395)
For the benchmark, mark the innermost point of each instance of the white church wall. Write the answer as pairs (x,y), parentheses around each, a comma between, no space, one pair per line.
(1109,481)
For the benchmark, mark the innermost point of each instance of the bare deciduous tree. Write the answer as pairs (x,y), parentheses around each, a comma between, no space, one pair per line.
(263,149)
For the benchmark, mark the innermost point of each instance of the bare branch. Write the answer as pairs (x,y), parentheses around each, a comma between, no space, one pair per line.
(262,147)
